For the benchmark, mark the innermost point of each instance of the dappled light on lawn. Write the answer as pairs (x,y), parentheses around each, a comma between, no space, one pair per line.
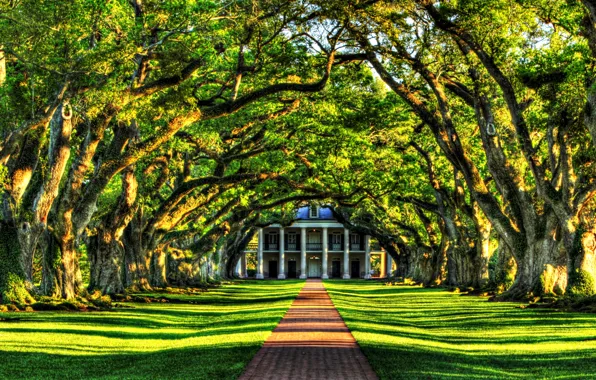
(412,332)
(211,339)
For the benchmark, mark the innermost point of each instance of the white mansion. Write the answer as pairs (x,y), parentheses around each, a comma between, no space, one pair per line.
(314,245)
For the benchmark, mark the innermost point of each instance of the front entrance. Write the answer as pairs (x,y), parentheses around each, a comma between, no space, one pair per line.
(314,268)
(355,269)
(291,269)
(273,269)
(335,269)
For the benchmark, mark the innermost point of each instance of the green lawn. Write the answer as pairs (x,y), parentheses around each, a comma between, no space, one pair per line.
(212,339)
(410,332)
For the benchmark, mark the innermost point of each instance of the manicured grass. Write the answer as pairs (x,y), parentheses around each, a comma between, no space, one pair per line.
(214,338)
(414,333)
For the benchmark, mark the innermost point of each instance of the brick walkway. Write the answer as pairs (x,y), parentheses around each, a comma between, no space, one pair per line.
(310,342)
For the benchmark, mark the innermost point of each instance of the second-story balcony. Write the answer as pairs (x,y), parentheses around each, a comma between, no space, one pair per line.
(336,247)
(271,247)
(311,247)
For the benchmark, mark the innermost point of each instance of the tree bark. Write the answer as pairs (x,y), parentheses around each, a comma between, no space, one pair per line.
(483,231)
(105,260)
(582,264)
(107,252)
(542,268)
(2,65)
(14,287)
(137,260)
(158,268)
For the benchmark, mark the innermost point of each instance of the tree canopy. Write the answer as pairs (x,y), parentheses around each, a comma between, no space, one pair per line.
(461,135)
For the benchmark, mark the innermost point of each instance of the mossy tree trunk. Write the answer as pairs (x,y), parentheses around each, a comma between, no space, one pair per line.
(542,265)
(157,274)
(482,245)
(582,263)
(106,253)
(14,287)
(137,260)
(235,241)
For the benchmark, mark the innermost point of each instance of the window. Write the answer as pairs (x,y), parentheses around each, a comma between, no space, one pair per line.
(336,238)
(314,212)
(314,237)
(355,239)
(292,241)
(336,241)
(273,238)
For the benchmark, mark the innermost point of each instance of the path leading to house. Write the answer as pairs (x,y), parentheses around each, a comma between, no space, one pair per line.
(310,342)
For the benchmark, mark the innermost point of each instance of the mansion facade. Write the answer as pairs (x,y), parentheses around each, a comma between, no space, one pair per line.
(315,245)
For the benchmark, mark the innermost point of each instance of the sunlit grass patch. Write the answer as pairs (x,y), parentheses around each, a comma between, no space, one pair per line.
(213,338)
(410,332)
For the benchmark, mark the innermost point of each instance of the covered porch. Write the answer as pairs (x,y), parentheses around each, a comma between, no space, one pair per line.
(307,252)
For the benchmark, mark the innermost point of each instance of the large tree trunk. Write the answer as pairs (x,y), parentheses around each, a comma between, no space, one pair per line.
(58,155)
(52,275)
(105,260)
(137,260)
(2,65)
(401,254)
(107,253)
(483,231)
(505,269)
(61,265)
(158,268)
(542,267)
(582,264)
(442,262)
(14,286)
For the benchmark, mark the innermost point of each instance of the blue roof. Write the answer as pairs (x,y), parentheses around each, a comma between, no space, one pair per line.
(324,213)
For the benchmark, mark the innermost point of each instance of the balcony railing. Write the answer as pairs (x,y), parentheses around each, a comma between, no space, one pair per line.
(310,247)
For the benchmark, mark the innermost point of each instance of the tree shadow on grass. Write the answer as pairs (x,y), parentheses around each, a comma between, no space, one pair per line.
(206,329)
(216,362)
(440,335)
(416,362)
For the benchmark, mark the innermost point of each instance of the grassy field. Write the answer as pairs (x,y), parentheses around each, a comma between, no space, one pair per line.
(415,333)
(212,339)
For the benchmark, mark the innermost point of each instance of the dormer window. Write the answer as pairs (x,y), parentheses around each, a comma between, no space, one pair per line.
(314,212)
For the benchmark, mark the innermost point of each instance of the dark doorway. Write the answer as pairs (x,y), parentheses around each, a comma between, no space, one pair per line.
(291,269)
(355,269)
(335,271)
(273,269)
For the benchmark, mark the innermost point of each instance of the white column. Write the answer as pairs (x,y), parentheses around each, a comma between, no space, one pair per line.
(282,249)
(303,253)
(260,256)
(243,259)
(367,257)
(346,254)
(238,268)
(389,264)
(324,275)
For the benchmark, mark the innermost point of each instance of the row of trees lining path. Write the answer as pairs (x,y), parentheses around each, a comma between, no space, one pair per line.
(141,139)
